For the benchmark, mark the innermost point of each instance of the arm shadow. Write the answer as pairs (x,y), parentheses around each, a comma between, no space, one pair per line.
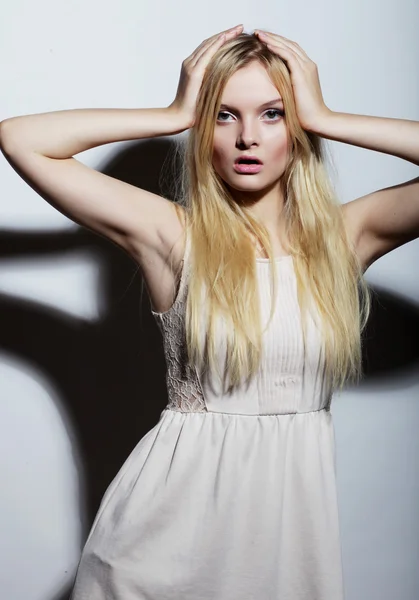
(390,341)
(110,373)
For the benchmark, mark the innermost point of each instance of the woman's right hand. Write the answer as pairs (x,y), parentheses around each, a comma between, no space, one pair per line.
(192,73)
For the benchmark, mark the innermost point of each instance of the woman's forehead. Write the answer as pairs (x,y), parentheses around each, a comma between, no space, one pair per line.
(250,84)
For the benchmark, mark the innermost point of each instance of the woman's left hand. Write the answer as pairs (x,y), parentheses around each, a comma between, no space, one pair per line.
(308,95)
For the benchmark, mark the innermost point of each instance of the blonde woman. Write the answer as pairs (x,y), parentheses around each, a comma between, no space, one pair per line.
(255,276)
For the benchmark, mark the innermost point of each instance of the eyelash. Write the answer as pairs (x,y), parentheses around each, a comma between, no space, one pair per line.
(275,110)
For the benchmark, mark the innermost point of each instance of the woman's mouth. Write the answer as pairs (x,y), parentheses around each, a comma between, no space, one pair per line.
(247,167)
(247,164)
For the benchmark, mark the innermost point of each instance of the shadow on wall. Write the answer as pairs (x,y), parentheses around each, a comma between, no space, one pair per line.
(391,340)
(111,373)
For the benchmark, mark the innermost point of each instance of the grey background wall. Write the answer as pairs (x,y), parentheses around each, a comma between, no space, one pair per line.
(77,385)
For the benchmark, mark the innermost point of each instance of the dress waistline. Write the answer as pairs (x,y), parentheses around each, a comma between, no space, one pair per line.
(213,412)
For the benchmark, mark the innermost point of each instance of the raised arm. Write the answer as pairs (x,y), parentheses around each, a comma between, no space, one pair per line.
(40,148)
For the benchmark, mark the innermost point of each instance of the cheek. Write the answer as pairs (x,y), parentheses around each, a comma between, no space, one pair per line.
(223,143)
(219,156)
(280,149)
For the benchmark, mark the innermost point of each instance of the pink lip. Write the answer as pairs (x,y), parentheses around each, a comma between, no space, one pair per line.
(244,168)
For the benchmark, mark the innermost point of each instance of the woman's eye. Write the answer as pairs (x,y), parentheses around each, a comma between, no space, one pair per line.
(273,112)
(276,112)
(222,113)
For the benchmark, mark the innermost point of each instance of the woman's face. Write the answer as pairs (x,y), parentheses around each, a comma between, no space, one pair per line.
(250,122)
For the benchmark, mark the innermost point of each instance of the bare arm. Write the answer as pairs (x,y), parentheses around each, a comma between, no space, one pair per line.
(40,148)
(62,134)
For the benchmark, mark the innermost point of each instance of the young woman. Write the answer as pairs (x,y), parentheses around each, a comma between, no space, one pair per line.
(256,280)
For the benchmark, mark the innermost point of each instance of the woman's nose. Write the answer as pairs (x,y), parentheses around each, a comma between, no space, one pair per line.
(247,133)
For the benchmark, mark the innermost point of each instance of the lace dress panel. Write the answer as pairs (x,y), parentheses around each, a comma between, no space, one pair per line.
(183,386)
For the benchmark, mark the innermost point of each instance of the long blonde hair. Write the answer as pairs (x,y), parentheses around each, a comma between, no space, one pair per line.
(222,261)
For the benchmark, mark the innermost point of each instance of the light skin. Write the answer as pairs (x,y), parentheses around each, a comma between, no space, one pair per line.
(244,128)
(382,220)
(377,222)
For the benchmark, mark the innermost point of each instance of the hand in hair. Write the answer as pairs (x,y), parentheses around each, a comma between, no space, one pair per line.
(308,95)
(192,72)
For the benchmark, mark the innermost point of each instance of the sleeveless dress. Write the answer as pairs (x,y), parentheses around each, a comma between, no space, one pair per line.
(227,497)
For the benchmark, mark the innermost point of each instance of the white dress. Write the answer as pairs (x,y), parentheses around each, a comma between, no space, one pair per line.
(227,497)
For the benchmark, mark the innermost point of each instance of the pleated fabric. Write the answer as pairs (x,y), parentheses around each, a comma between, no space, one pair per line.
(227,497)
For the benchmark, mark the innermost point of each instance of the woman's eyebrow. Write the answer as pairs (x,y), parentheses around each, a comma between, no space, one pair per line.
(274,101)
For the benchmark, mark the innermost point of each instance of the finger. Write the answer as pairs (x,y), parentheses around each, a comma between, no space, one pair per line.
(206,43)
(286,51)
(275,38)
(287,54)
(213,45)
(228,33)
(231,29)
